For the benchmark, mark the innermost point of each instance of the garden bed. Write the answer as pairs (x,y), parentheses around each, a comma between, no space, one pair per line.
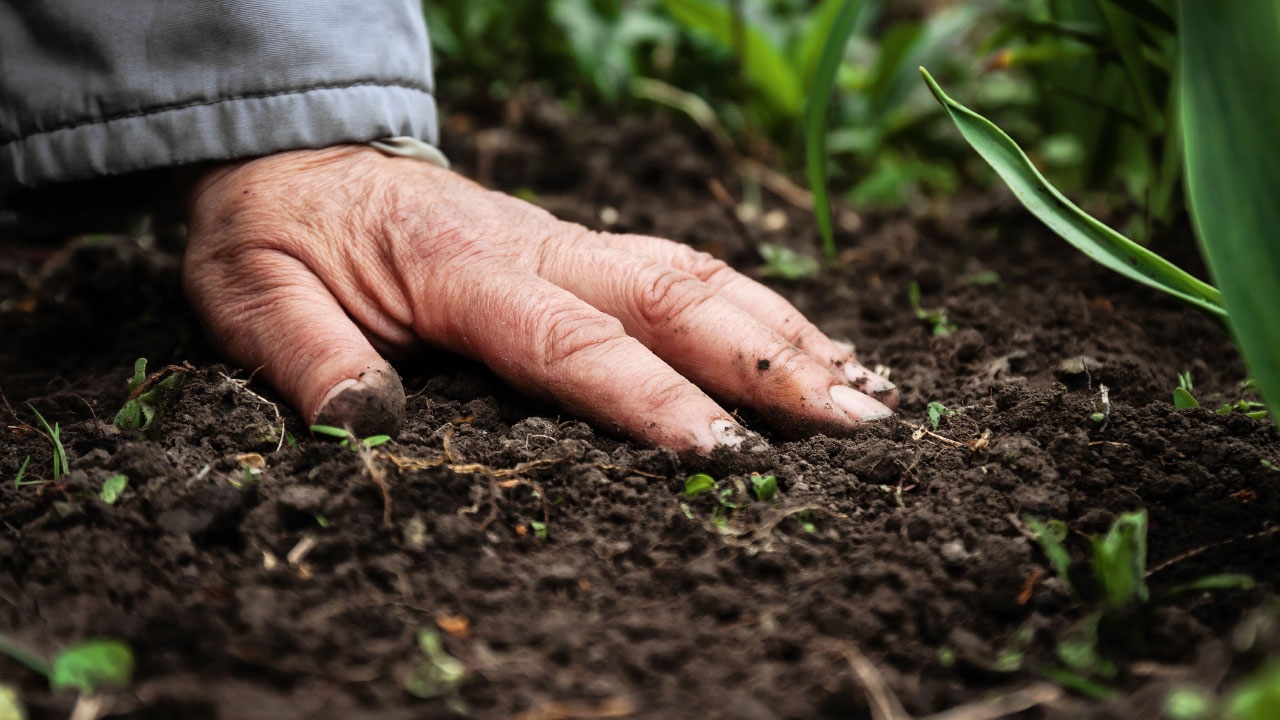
(566,569)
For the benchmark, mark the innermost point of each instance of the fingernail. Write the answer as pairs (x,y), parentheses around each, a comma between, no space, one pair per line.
(866,381)
(856,405)
(848,347)
(732,435)
(372,404)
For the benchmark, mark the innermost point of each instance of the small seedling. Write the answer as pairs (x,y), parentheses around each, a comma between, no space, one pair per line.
(147,396)
(440,676)
(1273,467)
(112,488)
(1182,397)
(86,666)
(765,487)
(695,485)
(539,529)
(60,466)
(22,472)
(322,521)
(349,441)
(783,262)
(1097,417)
(937,319)
(937,411)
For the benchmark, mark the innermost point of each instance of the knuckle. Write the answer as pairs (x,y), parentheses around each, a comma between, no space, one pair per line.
(665,294)
(571,332)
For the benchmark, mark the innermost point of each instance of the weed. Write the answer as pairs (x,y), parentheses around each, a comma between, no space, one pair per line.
(765,487)
(112,488)
(1182,397)
(87,666)
(350,441)
(937,411)
(937,319)
(147,396)
(1118,564)
(783,262)
(60,466)
(440,676)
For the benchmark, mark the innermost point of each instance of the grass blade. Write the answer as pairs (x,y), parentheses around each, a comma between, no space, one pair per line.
(1230,109)
(763,64)
(815,126)
(1099,242)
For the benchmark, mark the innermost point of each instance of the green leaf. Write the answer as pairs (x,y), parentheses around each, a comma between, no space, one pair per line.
(1047,535)
(139,375)
(441,674)
(17,480)
(937,411)
(1120,561)
(91,664)
(1230,114)
(1189,703)
(1147,12)
(539,529)
(330,431)
(1097,241)
(1224,581)
(1258,696)
(1183,400)
(765,487)
(763,64)
(815,124)
(695,485)
(374,441)
(112,488)
(129,417)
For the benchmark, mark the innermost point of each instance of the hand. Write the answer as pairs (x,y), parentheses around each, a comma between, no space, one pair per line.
(311,263)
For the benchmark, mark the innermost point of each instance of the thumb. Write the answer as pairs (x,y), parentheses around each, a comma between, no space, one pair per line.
(271,312)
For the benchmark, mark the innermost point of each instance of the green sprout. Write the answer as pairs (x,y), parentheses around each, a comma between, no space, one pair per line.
(695,485)
(112,488)
(783,262)
(349,441)
(937,411)
(765,487)
(22,472)
(1182,397)
(60,466)
(440,676)
(147,396)
(539,529)
(937,319)
(1097,417)
(86,666)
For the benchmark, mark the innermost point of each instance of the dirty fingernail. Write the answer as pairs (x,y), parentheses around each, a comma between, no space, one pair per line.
(867,382)
(732,435)
(372,404)
(856,405)
(847,346)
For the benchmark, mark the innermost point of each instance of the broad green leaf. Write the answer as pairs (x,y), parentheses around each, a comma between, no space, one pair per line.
(695,485)
(1099,242)
(764,66)
(112,488)
(765,487)
(1230,118)
(1183,400)
(91,664)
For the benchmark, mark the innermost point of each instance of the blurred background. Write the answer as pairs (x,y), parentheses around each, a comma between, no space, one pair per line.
(1082,85)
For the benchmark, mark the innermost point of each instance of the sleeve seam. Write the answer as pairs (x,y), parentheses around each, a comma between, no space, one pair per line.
(5,141)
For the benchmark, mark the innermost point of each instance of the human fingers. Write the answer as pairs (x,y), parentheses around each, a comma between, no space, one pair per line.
(553,345)
(763,303)
(267,310)
(716,344)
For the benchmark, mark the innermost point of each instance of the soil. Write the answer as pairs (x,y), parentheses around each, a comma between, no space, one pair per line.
(565,569)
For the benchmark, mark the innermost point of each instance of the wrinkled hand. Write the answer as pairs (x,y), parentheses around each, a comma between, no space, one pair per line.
(311,263)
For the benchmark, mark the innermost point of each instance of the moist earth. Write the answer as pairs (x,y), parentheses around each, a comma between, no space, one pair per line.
(260,572)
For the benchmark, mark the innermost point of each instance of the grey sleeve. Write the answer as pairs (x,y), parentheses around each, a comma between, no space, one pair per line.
(91,88)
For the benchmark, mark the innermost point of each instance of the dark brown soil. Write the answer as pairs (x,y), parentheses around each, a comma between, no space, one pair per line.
(300,593)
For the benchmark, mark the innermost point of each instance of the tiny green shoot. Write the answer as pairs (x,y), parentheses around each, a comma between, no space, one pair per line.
(322,521)
(1273,467)
(22,471)
(539,529)
(1050,535)
(937,411)
(350,441)
(695,485)
(60,466)
(983,278)
(936,319)
(112,487)
(1182,397)
(1097,417)
(440,676)
(144,403)
(764,487)
(783,262)
(85,666)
